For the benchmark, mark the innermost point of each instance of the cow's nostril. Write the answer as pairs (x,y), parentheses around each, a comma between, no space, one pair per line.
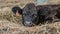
(29,24)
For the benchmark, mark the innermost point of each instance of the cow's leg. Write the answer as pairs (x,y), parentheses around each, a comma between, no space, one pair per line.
(52,19)
(55,19)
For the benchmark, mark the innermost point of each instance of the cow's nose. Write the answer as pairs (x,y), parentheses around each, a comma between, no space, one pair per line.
(28,23)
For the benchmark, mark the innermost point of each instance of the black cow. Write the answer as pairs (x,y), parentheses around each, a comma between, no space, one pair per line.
(32,15)
(29,14)
(47,13)
(50,13)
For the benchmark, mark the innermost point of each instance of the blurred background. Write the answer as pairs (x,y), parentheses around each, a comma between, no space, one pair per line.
(9,3)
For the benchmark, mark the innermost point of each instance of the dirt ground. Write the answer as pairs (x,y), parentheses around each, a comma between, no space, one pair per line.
(10,24)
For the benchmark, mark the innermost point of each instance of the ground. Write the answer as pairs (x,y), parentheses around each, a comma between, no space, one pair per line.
(10,24)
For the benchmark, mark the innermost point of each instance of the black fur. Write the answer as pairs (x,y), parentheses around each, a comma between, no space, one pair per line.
(32,14)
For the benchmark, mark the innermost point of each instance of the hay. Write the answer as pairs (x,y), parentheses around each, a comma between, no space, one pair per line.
(6,13)
(7,27)
(10,24)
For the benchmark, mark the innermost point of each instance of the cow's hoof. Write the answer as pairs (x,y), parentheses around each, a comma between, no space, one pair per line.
(56,20)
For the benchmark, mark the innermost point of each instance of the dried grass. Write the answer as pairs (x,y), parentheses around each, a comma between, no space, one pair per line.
(10,24)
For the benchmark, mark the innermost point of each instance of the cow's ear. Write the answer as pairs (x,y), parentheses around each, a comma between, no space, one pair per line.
(17,8)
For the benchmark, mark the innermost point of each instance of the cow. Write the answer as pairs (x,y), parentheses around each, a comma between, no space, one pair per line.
(47,13)
(33,15)
(29,14)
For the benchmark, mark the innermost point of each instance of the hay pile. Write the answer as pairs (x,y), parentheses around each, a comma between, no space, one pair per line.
(6,13)
(10,24)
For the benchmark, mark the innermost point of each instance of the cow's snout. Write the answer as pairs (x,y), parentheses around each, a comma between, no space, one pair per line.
(28,23)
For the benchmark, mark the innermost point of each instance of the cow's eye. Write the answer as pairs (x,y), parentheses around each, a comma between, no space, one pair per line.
(24,14)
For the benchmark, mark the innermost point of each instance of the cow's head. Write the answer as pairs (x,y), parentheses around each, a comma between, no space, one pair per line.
(29,14)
